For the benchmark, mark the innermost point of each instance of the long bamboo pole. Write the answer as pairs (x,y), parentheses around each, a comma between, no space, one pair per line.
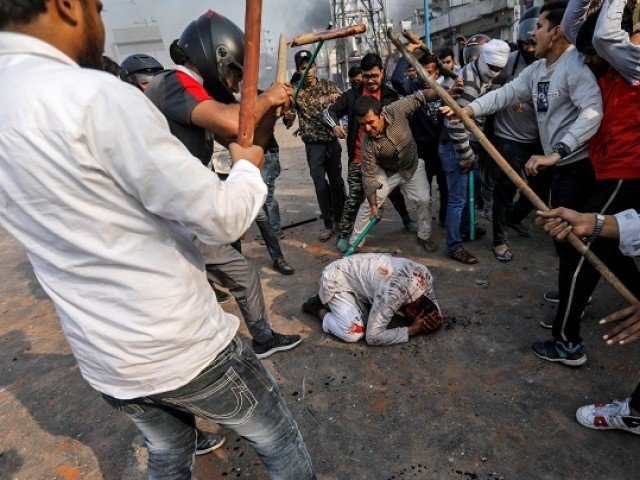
(517,180)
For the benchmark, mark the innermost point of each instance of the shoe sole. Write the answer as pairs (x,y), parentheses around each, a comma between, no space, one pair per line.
(570,363)
(212,448)
(282,348)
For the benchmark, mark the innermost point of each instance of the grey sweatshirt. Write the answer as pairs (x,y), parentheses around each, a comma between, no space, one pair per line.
(519,126)
(566,99)
(609,40)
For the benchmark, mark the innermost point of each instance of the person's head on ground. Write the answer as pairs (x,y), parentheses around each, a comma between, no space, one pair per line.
(372,71)
(368,111)
(425,313)
(474,46)
(548,35)
(493,59)
(72,26)
(447,58)
(213,47)
(140,69)
(301,60)
(526,39)
(355,76)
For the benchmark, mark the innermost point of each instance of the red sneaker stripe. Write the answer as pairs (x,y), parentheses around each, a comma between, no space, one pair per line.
(600,422)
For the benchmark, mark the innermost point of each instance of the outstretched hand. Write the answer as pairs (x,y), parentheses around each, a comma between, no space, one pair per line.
(628,331)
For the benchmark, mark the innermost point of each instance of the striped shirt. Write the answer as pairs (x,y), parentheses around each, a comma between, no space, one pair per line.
(395,151)
(457,134)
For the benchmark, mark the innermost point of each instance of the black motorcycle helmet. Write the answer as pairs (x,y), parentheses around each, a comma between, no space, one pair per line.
(474,46)
(215,46)
(140,68)
(527,24)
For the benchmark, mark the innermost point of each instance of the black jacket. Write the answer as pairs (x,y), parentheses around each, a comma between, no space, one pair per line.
(345,106)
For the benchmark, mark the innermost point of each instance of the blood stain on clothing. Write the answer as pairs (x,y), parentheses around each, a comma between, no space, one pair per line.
(422,282)
(356,328)
(384,271)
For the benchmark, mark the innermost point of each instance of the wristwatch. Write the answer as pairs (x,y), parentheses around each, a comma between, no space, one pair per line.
(597,230)
(561,149)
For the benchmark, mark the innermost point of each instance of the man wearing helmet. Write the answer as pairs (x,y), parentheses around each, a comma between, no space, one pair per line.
(187,97)
(140,68)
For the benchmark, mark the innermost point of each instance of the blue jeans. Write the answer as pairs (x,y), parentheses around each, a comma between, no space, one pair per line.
(270,173)
(458,205)
(235,391)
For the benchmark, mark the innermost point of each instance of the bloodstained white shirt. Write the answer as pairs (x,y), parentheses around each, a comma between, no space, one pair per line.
(105,202)
(384,283)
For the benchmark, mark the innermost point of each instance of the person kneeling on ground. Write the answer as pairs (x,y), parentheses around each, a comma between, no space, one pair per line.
(360,294)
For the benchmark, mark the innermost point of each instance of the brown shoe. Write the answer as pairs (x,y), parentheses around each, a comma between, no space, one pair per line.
(326,234)
(463,256)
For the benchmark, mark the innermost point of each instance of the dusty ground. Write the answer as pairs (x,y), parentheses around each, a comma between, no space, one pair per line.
(469,402)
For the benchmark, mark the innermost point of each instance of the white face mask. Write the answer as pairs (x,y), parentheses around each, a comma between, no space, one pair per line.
(485,72)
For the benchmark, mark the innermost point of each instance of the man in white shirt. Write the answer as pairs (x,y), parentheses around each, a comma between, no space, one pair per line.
(359,296)
(106,212)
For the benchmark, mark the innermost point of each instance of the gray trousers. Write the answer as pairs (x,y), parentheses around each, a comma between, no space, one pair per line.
(229,268)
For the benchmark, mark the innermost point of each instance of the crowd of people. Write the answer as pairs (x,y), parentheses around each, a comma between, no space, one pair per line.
(131,226)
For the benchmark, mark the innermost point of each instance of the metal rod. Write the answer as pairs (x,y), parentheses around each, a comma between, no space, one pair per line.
(356,243)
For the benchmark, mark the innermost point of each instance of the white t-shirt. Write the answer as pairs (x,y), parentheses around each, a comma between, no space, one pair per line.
(105,202)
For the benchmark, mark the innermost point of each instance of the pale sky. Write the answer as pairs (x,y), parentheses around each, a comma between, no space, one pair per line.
(290,17)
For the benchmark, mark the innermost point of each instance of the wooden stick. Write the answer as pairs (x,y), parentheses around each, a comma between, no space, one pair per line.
(251,64)
(413,38)
(517,180)
(281,73)
(307,38)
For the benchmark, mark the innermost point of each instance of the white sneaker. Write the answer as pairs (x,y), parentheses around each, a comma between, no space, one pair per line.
(609,416)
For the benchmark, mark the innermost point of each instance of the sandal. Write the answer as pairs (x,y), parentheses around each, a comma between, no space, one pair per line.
(463,256)
(502,253)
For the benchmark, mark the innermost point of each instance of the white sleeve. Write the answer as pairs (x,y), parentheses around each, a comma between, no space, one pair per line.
(629,226)
(142,156)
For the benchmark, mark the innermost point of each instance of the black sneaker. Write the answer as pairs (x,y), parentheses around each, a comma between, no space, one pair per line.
(283,267)
(312,305)
(555,351)
(208,442)
(554,297)
(222,297)
(278,343)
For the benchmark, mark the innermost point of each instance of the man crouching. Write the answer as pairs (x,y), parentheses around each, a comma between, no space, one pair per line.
(360,295)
